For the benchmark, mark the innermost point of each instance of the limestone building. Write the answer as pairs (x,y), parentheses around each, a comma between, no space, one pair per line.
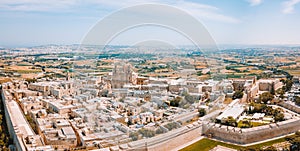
(269,84)
(122,74)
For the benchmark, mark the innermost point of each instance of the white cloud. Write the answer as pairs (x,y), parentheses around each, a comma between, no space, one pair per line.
(35,5)
(205,12)
(201,11)
(289,6)
(198,10)
(255,2)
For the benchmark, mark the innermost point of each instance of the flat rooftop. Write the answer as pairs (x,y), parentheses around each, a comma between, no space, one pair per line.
(234,111)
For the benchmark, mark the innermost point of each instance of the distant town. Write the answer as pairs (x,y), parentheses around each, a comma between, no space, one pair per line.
(71,97)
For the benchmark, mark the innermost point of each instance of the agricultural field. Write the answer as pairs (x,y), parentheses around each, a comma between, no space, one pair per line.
(294,72)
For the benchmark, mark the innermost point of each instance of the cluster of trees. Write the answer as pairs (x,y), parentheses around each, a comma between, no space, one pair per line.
(183,101)
(297,100)
(230,121)
(31,80)
(146,69)
(189,99)
(160,130)
(175,102)
(202,112)
(4,136)
(263,75)
(52,75)
(268,110)
(294,140)
(32,123)
(288,83)
(234,68)
(146,132)
(280,92)
(172,125)
(141,133)
(256,108)
(266,97)
(245,124)
(199,73)
(238,95)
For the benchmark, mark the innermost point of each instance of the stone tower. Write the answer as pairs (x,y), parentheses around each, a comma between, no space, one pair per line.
(122,74)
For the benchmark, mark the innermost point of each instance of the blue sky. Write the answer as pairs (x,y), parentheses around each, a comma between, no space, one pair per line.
(38,22)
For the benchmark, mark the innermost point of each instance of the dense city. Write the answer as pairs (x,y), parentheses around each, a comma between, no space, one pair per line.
(59,97)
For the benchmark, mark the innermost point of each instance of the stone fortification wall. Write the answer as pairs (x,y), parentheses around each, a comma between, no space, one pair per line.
(290,107)
(251,135)
(17,141)
(169,140)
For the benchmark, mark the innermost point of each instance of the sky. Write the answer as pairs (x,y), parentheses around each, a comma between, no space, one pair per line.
(245,22)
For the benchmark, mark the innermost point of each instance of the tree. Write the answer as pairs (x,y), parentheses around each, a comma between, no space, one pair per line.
(104,93)
(266,97)
(257,108)
(202,112)
(129,122)
(146,132)
(190,99)
(160,130)
(31,80)
(199,73)
(238,94)
(246,124)
(269,110)
(294,140)
(280,92)
(279,117)
(134,136)
(4,137)
(171,126)
(297,100)
(230,121)
(272,89)
(32,123)
(175,102)
(289,84)
(297,133)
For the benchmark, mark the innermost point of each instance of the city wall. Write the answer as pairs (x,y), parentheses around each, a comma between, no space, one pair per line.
(17,141)
(177,141)
(169,140)
(250,135)
(290,107)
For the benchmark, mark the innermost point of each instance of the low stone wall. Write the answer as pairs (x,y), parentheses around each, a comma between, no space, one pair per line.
(251,135)
(290,107)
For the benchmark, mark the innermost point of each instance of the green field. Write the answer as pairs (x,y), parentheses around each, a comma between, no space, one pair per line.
(206,144)
(254,124)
